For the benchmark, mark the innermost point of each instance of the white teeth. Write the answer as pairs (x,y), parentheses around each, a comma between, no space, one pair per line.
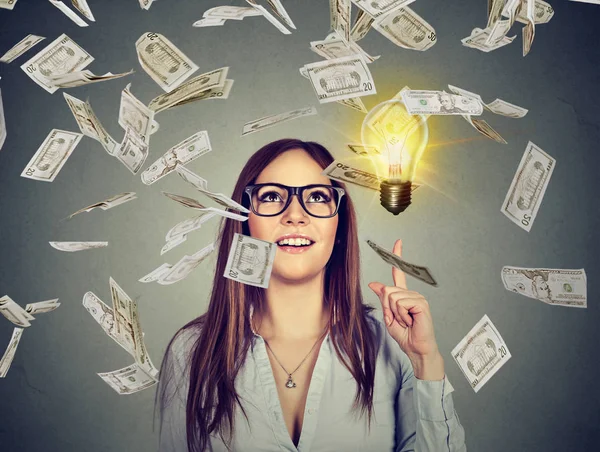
(294,242)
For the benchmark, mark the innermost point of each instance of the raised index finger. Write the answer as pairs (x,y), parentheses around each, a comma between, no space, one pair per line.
(398,275)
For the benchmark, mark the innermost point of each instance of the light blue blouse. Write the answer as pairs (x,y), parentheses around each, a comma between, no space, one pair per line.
(409,414)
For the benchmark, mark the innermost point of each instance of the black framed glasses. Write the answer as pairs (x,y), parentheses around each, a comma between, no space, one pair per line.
(318,200)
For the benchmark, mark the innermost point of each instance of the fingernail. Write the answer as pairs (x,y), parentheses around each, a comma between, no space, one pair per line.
(388,321)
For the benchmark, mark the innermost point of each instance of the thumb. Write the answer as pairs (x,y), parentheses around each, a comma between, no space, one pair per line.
(375,287)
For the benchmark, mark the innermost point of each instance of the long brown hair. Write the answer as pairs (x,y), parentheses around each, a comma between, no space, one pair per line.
(224,331)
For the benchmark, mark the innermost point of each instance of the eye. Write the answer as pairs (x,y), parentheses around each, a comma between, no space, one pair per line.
(264,197)
(320,194)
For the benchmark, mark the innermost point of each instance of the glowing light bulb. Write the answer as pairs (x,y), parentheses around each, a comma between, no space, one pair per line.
(401,139)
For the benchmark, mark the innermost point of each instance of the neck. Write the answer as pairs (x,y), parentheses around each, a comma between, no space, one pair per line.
(293,310)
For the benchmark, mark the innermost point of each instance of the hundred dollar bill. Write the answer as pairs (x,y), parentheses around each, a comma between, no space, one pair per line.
(168,66)
(80,78)
(406,29)
(498,106)
(181,154)
(362,25)
(481,353)
(355,103)
(69,13)
(484,128)
(270,17)
(51,156)
(202,186)
(14,313)
(269,121)
(478,39)
(419,102)
(209,22)
(83,7)
(109,203)
(543,12)
(338,48)
(127,323)
(61,56)
(340,12)
(361,149)
(133,113)
(89,124)
(71,247)
(7,4)
(250,260)
(230,12)
(417,271)
(42,306)
(528,186)
(20,48)
(133,150)
(343,172)
(2,123)
(104,316)
(185,265)
(377,9)
(341,78)
(559,287)
(128,380)
(157,273)
(190,90)
(11,349)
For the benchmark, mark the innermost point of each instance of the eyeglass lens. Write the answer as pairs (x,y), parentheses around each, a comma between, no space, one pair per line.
(320,201)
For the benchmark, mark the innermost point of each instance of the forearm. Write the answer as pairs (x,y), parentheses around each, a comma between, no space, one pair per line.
(428,367)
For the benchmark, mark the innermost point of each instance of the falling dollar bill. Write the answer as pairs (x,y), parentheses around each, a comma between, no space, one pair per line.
(41,307)
(481,353)
(341,78)
(250,260)
(2,123)
(51,156)
(181,154)
(133,150)
(11,349)
(14,313)
(77,246)
(185,265)
(406,29)
(529,29)
(8,4)
(528,186)
(202,186)
(61,56)
(193,89)
(209,22)
(278,8)
(484,128)
(340,12)
(498,106)
(270,17)
(163,61)
(20,48)
(83,7)
(191,224)
(337,47)
(355,103)
(134,114)
(69,13)
(478,38)
(343,172)
(218,92)
(89,124)
(173,243)
(361,149)
(157,273)
(146,4)
(104,316)
(426,102)
(422,273)
(230,12)
(269,121)
(362,25)
(559,287)
(109,203)
(543,11)
(129,379)
(377,9)
(80,78)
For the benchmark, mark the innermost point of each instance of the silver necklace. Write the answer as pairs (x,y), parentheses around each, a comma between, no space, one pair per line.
(290,383)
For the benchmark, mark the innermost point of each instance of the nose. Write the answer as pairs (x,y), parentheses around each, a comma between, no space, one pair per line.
(294,212)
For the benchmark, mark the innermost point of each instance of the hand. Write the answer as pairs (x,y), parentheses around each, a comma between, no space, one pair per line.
(407,316)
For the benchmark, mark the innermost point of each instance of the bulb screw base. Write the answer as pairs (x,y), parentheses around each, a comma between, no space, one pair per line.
(395,195)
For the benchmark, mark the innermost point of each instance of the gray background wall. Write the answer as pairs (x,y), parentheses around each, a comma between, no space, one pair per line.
(545,398)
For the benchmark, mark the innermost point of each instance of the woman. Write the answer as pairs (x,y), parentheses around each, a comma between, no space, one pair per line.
(288,358)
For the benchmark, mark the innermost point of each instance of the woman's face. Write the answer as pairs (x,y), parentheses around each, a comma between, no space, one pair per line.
(295,168)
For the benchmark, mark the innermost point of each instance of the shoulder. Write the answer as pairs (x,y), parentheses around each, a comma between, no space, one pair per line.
(181,346)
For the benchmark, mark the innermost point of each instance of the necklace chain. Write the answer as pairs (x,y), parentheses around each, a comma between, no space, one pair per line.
(290,383)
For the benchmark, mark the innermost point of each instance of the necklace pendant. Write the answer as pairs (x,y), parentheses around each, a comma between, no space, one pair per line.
(290,383)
